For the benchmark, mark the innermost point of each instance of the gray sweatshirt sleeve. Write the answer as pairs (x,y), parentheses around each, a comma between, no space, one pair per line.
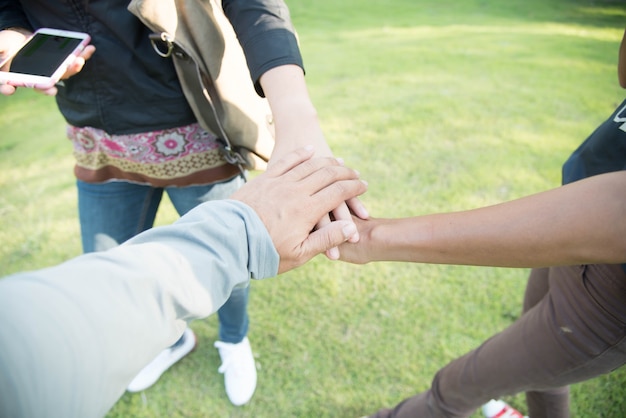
(73,336)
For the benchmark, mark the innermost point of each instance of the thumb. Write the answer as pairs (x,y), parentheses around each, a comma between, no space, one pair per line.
(7,90)
(74,68)
(325,238)
(330,237)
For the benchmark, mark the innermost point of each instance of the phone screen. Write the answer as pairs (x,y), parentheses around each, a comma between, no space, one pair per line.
(43,54)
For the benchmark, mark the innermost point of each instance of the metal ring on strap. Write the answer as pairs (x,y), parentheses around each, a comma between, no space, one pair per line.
(164,39)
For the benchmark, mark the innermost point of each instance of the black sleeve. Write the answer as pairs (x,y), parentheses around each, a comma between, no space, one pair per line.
(266,34)
(12,15)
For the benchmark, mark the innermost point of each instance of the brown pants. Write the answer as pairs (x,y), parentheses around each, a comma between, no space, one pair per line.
(573,328)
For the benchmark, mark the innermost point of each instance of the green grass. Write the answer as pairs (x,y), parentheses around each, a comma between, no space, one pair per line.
(441,105)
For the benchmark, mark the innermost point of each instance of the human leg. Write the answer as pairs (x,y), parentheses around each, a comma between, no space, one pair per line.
(112,212)
(184,199)
(537,287)
(555,400)
(238,364)
(597,334)
(576,332)
(233,316)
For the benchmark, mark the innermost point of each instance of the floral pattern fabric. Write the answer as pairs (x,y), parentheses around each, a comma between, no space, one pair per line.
(179,156)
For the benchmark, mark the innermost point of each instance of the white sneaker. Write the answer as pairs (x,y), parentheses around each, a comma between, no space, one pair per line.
(500,409)
(239,370)
(149,375)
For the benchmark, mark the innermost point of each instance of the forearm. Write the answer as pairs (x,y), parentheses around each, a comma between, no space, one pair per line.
(73,336)
(295,117)
(268,38)
(584,222)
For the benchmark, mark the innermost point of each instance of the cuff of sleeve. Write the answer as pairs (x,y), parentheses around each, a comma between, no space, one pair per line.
(15,23)
(269,50)
(263,259)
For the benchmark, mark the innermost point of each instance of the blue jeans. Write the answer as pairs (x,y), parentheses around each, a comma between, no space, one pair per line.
(112,212)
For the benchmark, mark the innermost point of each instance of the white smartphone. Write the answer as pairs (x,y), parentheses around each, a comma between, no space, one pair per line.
(43,59)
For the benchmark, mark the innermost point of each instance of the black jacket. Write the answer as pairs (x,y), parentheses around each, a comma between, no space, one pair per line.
(126,87)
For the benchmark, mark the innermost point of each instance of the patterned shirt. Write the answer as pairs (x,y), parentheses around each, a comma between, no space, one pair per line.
(182,156)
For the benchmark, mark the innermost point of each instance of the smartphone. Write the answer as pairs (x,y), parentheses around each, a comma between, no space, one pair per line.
(43,59)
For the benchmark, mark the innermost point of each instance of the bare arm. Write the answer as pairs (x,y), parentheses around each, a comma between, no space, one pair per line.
(583,222)
(269,41)
(295,116)
(297,125)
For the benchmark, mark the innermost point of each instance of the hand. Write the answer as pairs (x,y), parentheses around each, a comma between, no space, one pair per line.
(297,124)
(343,210)
(291,197)
(12,39)
(360,252)
(77,65)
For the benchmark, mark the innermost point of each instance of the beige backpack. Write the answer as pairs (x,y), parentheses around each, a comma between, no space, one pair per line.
(214,75)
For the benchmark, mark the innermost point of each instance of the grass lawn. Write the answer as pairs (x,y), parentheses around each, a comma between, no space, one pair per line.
(441,105)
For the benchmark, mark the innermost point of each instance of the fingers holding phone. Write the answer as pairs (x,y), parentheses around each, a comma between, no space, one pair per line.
(46,57)
(10,41)
(75,66)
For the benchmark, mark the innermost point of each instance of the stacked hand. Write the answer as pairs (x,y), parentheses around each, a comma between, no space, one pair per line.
(293,195)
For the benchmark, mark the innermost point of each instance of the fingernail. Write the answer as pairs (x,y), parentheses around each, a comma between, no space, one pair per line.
(349,230)
(340,161)
(333,253)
